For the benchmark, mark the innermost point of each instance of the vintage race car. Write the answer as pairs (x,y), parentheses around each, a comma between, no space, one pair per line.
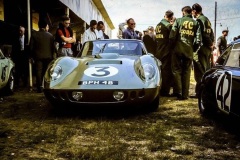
(6,74)
(220,86)
(105,72)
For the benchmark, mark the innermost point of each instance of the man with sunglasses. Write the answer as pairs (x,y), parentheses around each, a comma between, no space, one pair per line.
(65,38)
(130,33)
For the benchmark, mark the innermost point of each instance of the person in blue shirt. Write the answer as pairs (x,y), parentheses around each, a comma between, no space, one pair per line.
(130,33)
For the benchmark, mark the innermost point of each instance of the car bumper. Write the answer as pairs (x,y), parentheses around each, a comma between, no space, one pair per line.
(131,97)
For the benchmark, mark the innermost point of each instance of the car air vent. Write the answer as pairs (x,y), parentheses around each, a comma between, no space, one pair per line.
(104,62)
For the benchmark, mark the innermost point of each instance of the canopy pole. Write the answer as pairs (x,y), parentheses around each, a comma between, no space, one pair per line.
(29,36)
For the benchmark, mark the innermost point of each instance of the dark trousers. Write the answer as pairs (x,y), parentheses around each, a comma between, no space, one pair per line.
(201,64)
(40,67)
(181,68)
(167,76)
(21,69)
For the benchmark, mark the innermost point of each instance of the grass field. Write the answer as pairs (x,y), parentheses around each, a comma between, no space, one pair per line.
(30,130)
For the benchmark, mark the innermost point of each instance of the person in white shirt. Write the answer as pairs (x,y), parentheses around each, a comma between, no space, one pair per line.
(91,33)
(100,27)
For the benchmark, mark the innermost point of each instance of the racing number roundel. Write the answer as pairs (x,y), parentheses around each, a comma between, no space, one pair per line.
(101,72)
(224,91)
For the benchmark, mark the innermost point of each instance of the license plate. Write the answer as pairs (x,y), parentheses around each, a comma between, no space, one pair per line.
(98,83)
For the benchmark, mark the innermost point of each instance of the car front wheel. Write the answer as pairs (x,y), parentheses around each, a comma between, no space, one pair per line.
(10,84)
(206,103)
(154,104)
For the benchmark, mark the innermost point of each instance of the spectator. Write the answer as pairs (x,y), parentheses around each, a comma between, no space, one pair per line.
(42,51)
(222,42)
(91,32)
(202,59)
(101,31)
(184,35)
(130,33)
(150,40)
(65,38)
(77,48)
(163,51)
(20,57)
(173,20)
(100,26)
(105,35)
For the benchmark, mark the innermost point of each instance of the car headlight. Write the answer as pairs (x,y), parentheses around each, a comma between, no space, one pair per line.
(118,95)
(56,72)
(149,71)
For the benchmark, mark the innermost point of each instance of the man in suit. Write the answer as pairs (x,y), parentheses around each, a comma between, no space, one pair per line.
(20,57)
(42,51)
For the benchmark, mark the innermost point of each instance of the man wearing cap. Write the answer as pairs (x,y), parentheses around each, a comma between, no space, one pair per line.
(202,58)
(185,34)
(163,51)
(91,33)
(222,42)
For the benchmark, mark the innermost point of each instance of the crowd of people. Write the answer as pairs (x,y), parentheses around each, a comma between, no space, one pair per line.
(44,47)
(180,44)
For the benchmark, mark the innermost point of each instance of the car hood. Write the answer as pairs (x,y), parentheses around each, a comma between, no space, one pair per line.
(103,71)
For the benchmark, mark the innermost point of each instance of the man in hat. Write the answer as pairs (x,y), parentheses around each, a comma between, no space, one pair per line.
(222,42)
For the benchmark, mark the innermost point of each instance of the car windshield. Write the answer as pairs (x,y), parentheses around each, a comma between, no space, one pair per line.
(233,59)
(120,47)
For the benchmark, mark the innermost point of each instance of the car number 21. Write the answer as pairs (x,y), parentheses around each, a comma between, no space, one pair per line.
(224,91)
(101,72)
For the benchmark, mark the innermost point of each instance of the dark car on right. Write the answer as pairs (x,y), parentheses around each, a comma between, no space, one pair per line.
(220,85)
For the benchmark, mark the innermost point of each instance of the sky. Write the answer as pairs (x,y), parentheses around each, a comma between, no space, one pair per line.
(150,12)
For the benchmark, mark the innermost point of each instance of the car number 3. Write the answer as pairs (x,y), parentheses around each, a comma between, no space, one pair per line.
(101,71)
(223,91)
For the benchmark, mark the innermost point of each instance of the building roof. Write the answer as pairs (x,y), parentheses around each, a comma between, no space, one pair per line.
(104,13)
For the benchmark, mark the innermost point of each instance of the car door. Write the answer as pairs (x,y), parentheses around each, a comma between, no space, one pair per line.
(228,83)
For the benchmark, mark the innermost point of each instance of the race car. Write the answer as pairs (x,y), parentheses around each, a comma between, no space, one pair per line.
(220,86)
(6,75)
(113,71)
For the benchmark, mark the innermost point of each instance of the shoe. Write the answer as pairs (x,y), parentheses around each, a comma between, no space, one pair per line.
(165,95)
(194,96)
(182,98)
(174,94)
(179,96)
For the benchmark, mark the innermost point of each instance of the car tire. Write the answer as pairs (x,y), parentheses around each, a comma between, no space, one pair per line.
(9,88)
(205,103)
(155,104)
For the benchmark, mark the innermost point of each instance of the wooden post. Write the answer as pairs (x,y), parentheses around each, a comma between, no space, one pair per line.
(29,36)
